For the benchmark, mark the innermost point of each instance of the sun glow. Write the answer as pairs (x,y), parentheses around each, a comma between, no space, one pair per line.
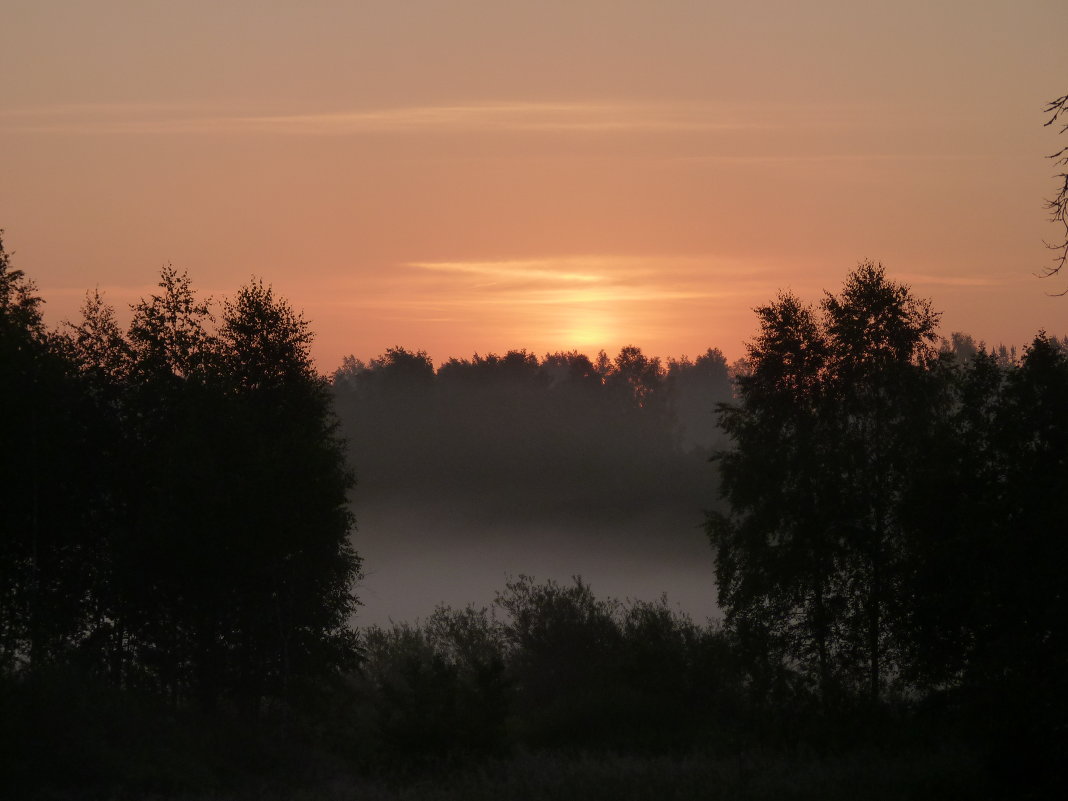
(587,329)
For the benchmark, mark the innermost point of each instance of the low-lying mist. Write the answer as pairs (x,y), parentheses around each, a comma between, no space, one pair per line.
(420,552)
(508,465)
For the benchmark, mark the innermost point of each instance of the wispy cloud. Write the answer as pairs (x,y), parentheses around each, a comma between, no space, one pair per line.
(500,117)
(583,278)
(827,158)
(587,300)
(545,291)
(949,280)
(566,270)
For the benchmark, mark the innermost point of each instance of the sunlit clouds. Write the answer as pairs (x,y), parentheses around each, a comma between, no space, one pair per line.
(578,301)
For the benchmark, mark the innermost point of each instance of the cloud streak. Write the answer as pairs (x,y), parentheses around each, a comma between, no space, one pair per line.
(583,278)
(495,117)
(558,270)
(948,280)
(567,293)
(585,301)
(828,158)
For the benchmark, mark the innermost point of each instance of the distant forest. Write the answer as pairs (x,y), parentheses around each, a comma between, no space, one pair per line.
(179,586)
(564,433)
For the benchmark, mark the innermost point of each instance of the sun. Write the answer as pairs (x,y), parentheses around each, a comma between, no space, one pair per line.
(588,328)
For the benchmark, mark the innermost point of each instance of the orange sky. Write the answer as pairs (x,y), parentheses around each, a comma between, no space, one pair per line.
(477,176)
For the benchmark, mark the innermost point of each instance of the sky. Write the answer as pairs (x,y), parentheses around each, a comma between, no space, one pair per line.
(466,177)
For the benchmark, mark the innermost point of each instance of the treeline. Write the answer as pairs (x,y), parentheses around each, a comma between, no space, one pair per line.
(174,512)
(564,432)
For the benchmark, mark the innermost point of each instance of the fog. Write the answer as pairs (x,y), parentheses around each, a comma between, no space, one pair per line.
(497,466)
(419,553)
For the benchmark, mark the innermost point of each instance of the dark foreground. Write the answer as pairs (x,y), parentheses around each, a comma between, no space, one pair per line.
(588,776)
(539,776)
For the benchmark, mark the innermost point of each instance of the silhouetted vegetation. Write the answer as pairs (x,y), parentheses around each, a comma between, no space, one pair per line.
(1057,206)
(175,520)
(177,578)
(893,542)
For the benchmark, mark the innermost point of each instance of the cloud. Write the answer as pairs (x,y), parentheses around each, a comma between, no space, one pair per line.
(550,291)
(495,117)
(548,270)
(560,278)
(502,117)
(949,280)
(578,300)
(827,158)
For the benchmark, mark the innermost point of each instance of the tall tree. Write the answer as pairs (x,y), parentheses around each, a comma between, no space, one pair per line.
(823,437)
(22,350)
(773,560)
(230,573)
(295,567)
(44,564)
(880,340)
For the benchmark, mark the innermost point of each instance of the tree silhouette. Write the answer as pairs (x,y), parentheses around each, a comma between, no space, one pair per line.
(880,340)
(22,474)
(46,559)
(691,385)
(825,439)
(294,565)
(774,560)
(225,569)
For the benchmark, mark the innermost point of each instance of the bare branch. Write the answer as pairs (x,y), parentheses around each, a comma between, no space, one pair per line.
(1058,205)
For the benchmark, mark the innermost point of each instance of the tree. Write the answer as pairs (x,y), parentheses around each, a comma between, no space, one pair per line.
(46,481)
(1058,205)
(690,386)
(294,567)
(168,578)
(21,352)
(565,659)
(229,571)
(636,375)
(824,440)
(20,308)
(773,560)
(984,615)
(169,332)
(880,341)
